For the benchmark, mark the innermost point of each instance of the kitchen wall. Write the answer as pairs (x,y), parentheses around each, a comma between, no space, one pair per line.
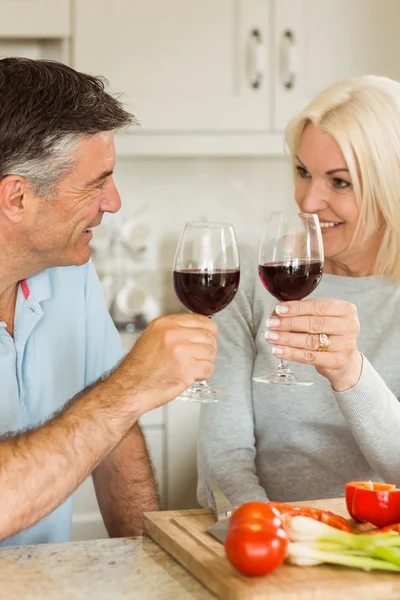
(241,191)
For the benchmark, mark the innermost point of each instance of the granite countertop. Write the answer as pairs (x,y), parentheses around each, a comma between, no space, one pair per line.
(100,569)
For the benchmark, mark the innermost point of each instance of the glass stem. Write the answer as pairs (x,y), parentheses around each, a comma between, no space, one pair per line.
(283,369)
(199,384)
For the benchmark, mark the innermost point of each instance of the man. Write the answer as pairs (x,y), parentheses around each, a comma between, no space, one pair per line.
(63,414)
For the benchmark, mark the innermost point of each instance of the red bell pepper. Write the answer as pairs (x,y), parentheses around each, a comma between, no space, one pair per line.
(325,516)
(375,503)
(394,528)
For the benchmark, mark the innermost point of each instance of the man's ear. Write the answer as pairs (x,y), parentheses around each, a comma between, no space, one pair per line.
(13,189)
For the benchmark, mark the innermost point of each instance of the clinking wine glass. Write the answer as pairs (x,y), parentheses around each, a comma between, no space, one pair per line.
(290,266)
(206,278)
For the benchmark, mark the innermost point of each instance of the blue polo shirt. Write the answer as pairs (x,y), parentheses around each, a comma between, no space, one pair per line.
(64,339)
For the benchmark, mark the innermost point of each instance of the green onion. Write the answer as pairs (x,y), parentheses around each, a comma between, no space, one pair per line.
(313,542)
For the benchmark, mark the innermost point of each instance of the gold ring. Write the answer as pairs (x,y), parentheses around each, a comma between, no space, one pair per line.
(324,342)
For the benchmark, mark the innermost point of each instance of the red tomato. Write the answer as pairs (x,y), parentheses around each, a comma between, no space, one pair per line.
(257,510)
(376,503)
(255,549)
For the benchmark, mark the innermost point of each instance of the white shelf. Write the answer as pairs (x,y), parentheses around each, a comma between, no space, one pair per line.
(200,144)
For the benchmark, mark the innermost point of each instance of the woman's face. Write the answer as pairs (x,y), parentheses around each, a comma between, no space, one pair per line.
(323,186)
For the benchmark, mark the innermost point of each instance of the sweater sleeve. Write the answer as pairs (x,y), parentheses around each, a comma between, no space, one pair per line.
(226,440)
(372,413)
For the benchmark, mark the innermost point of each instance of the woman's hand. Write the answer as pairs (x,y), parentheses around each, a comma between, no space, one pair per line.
(294,330)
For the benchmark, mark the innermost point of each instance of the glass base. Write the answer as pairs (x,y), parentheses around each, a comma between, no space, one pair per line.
(283,376)
(201,392)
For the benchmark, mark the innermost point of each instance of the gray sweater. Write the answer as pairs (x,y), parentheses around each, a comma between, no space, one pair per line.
(297,443)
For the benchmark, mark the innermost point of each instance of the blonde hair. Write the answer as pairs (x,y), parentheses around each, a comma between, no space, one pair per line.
(363,115)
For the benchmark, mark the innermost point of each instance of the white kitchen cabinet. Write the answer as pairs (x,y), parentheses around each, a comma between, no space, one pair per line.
(317,42)
(181,446)
(49,49)
(37,29)
(288,60)
(359,37)
(183,65)
(223,78)
(34,18)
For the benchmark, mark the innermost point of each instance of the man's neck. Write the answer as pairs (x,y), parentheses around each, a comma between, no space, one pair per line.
(13,268)
(8,299)
(15,265)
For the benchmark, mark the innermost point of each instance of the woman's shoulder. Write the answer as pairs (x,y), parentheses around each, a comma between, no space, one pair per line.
(356,286)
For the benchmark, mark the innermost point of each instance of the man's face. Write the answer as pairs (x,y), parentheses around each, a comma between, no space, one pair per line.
(60,226)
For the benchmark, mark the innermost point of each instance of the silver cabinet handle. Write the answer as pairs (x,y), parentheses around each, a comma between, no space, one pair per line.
(289,59)
(256,59)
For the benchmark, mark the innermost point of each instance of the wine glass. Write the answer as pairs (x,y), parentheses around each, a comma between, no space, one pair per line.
(290,265)
(206,278)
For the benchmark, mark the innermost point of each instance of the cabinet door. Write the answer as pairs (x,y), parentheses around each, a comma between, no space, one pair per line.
(289,60)
(34,18)
(318,42)
(182,429)
(360,37)
(182,65)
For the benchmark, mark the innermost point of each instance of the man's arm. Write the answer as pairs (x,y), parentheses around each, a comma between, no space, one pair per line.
(39,469)
(125,485)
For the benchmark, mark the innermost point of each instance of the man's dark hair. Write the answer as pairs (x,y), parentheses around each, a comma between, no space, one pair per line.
(46,109)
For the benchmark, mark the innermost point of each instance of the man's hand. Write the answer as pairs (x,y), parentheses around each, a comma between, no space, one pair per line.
(170,355)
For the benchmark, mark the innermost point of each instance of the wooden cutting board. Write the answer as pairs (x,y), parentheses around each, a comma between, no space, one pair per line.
(183,535)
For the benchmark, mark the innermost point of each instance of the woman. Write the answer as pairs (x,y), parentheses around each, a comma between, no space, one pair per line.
(287,443)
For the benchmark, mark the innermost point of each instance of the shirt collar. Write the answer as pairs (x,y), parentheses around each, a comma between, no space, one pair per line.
(37,287)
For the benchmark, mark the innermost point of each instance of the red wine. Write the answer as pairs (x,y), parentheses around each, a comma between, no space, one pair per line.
(291,281)
(206,292)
